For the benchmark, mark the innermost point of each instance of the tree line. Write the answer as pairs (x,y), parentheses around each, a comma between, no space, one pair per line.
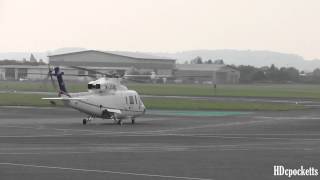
(273,74)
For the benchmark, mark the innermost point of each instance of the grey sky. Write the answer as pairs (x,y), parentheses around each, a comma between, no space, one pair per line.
(290,26)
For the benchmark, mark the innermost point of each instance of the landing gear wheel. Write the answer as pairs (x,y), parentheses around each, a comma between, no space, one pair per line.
(120,122)
(132,121)
(84,121)
(114,119)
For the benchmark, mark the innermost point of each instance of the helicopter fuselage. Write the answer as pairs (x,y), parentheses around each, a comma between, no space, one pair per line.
(102,104)
(106,98)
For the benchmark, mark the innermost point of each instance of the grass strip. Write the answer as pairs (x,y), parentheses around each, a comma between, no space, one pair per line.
(185,104)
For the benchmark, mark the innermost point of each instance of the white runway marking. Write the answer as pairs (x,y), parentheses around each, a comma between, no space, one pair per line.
(155,132)
(39,153)
(245,137)
(239,136)
(36,136)
(260,134)
(289,118)
(178,129)
(207,126)
(103,171)
(56,129)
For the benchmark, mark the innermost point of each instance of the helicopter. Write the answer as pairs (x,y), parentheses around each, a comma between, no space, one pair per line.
(106,98)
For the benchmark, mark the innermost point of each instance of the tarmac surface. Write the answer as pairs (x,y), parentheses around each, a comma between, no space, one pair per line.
(52,143)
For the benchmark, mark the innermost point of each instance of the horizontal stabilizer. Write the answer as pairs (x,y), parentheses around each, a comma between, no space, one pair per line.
(114,111)
(64,98)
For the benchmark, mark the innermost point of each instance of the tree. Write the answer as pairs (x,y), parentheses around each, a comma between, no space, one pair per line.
(209,61)
(273,73)
(292,74)
(316,72)
(218,61)
(196,60)
(246,73)
(259,76)
(33,59)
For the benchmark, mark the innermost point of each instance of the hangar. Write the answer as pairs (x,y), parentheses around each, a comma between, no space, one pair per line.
(207,73)
(118,60)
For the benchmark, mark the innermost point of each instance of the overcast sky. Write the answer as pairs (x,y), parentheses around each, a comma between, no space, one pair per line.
(290,26)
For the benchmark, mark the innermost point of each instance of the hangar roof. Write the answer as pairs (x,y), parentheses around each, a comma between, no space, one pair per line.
(200,67)
(135,55)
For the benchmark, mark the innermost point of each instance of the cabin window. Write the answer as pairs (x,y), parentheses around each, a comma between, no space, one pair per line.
(92,74)
(97,86)
(81,72)
(135,97)
(90,86)
(131,99)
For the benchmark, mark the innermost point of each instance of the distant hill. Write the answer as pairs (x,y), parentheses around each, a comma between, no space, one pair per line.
(247,57)
(236,57)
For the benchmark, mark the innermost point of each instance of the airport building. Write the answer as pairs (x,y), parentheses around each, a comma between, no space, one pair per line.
(19,72)
(206,73)
(106,61)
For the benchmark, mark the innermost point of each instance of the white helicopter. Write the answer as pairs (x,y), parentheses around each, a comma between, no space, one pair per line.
(106,98)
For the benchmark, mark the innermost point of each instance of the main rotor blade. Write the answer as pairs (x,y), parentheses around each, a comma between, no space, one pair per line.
(47,75)
(93,71)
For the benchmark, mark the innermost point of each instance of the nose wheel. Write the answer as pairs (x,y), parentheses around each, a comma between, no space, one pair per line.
(120,122)
(86,120)
(116,120)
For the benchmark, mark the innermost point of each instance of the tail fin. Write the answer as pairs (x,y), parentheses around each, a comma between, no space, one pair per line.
(62,86)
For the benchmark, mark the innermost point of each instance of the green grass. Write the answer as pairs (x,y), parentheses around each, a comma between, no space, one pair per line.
(273,90)
(14,99)
(255,90)
(44,86)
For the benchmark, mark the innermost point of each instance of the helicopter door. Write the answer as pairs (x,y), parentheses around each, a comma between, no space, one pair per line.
(126,106)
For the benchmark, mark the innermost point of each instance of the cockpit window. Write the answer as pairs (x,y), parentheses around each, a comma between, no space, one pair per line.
(92,86)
